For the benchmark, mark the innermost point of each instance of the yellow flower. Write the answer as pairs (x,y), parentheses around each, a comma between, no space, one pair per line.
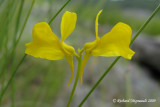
(114,43)
(46,44)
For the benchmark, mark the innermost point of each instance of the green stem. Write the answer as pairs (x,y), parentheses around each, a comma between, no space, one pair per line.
(146,23)
(18,21)
(13,51)
(115,61)
(12,58)
(7,22)
(15,44)
(76,80)
(14,47)
(101,78)
(25,22)
(10,80)
(58,12)
(4,90)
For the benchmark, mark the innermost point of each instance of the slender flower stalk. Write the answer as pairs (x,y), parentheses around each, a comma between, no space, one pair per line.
(76,80)
(23,58)
(115,61)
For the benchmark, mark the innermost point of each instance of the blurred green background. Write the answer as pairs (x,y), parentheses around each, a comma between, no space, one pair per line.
(43,83)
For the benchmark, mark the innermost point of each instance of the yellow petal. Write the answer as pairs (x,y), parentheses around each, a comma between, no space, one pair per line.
(70,61)
(89,46)
(68,24)
(84,61)
(115,43)
(45,43)
(69,50)
(96,23)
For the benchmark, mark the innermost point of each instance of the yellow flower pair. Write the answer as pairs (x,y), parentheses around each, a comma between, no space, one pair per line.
(46,44)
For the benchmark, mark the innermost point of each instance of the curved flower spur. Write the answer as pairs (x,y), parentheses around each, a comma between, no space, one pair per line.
(114,43)
(46,44)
